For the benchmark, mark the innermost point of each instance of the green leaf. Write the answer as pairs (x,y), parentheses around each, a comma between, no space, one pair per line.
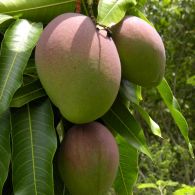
(167,95)
(162,183)
(28,93)
(191,80)
(186,190)
(16,48)
(4,18)
(173,106)
(110,12)
(131,91)
(30,69)
(5,21)
(166,2)
(33,146)
(36,10)
(128,167)
(119,119)
(147,185)
(30,73)
(5,151)
(141,3)
(136,12)
(150,122)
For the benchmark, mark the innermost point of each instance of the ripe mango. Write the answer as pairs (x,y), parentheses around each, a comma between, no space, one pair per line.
(88,159)
(79,67)
(141,51)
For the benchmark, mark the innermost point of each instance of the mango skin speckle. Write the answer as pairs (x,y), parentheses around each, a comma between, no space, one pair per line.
(141,51)
(79,67)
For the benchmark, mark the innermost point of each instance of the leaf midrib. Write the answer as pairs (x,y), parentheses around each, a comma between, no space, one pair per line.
(38,7)
(109,11)
(27,94)
(8,75)
(32,151)
(127,128)
(121,172)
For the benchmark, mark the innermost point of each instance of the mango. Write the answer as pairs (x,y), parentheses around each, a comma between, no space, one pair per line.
(79,67)
(88,159)
(141,51)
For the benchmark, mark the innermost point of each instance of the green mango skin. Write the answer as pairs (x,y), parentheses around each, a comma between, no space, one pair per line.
(79,67)
(141,51)
(88,159)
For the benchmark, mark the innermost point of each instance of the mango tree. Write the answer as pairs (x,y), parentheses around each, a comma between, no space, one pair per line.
(49,90)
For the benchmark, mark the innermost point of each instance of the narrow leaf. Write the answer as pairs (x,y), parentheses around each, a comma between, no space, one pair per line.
(131,91)
(185,190)
(128,168)
(119,119)
(33,146)
(136,12)
(4,17)
(5,151)
(110,12)
(30,73)
(173,106)
(30,69)
(36,10)
(147,185)
(150,122)
(166,183)
(27,93)
(16,48)
(5,21)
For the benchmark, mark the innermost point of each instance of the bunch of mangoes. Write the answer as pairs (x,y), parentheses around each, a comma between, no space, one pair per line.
(80,67)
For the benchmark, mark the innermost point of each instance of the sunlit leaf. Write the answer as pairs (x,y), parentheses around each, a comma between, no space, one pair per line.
(27,93)
(5,21)
(166,183)
(185,190)
(16,48)
(147,185)
(150,122)
(110,12)
(4,17)
(128,167)
(132,93)
(191,80)
(167,95)
(166,2)
(136,12)
(5,151)
(36,10)
(141,2)
(119,119)
(33,146)
(173,106)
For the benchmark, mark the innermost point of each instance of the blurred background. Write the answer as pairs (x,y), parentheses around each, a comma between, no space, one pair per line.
(173,168)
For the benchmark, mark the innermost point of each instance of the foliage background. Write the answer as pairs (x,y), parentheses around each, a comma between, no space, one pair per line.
(174,20)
